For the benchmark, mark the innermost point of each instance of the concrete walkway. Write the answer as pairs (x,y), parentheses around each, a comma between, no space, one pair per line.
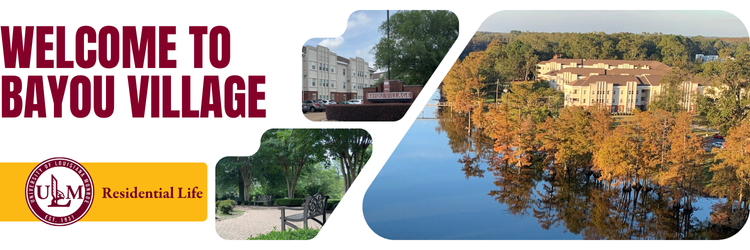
(257,220)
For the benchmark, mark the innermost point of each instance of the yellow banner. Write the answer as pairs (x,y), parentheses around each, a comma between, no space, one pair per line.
(122,192)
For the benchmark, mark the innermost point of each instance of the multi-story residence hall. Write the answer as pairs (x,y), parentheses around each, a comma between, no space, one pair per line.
(618,85)
(328,76)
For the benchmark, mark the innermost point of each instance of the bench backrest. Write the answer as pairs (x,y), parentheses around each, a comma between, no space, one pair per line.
(316,204)
(264,197)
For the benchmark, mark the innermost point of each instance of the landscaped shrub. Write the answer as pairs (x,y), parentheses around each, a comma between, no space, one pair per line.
(332,204)
(226,206)
(289,234)
(289,202)
(367,112)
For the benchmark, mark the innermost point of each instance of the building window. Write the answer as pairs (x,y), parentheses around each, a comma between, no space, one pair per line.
(584,92)
(333,84)
(333,69)
(314,96)
(344,97)
(344,71)
(313,82)
(354,85)
(607,92)
(575,91)
(313,65)
(344,84)
(584,100)
(643,98)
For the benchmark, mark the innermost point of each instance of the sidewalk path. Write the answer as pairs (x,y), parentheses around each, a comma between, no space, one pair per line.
(256,220)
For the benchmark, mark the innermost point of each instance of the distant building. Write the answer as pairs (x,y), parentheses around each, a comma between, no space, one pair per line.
(618,85)
(707,58)
(328,76)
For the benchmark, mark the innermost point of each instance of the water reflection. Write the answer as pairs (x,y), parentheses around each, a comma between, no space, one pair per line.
(582,205)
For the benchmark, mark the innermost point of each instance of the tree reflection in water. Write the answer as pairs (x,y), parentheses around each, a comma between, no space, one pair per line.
(581,204)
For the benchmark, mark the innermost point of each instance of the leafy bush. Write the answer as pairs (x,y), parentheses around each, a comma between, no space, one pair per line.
(289,234)
(332,204)
(246,203)
(289,202)
(226,206)
(367,112)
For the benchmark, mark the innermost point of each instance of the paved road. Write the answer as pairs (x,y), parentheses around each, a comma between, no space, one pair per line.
(316,116)
(256,220)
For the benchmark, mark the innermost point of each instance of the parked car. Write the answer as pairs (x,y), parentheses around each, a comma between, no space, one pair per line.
(355,101)
(313,105)
(331,102)
(321,104)
(345,102)
(305,108)
(718,145)
(717,136)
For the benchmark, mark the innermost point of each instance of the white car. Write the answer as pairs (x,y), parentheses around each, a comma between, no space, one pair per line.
(718,145)
(355,101)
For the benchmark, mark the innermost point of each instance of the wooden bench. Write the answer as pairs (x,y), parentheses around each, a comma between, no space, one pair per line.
(314,206)
(263,198)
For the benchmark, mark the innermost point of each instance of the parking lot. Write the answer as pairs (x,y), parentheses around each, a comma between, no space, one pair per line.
(710,141)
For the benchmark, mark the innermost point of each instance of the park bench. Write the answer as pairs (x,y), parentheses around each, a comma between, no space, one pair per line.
(314,206)
(263,198)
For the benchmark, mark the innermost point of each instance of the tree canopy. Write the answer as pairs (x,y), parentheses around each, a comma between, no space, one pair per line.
(419,39)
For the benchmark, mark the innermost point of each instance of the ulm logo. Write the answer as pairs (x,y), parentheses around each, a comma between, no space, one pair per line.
(59,191)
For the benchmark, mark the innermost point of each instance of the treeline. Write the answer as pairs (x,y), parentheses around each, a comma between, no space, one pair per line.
(666,48)
(321,160)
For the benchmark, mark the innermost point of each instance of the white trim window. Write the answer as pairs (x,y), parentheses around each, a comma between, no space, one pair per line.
(313,82)
(313,64)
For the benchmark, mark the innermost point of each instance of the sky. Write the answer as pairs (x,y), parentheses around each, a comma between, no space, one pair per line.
(687,23)
(360,36)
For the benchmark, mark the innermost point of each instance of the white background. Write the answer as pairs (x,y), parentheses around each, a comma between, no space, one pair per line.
(266,40)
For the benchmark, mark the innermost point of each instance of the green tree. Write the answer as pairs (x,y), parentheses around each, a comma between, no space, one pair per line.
(419,39)
(294,150)
(727,102)
(352,149)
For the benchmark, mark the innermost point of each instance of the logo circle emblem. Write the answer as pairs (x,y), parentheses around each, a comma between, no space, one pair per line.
(59,191)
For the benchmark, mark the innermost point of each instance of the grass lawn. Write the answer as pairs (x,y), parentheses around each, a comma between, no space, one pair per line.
(235,213)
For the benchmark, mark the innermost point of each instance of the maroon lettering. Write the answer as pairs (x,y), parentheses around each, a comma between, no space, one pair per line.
(42,46)
(85,59)
(155,96)
(138,98)
(83,84)
(213,47)
(165,46)
(35,90)
(100,109)
(254,96)
(11,91)
(19,49)
(114,49)
(58,92)
(198,32)
(167,97)
(60,49)
(146,45)
(239,98)
(186,111)
(211,99)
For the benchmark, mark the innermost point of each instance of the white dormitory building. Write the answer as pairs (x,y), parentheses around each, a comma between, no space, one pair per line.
(328,76)
(618,85)
(706,58)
